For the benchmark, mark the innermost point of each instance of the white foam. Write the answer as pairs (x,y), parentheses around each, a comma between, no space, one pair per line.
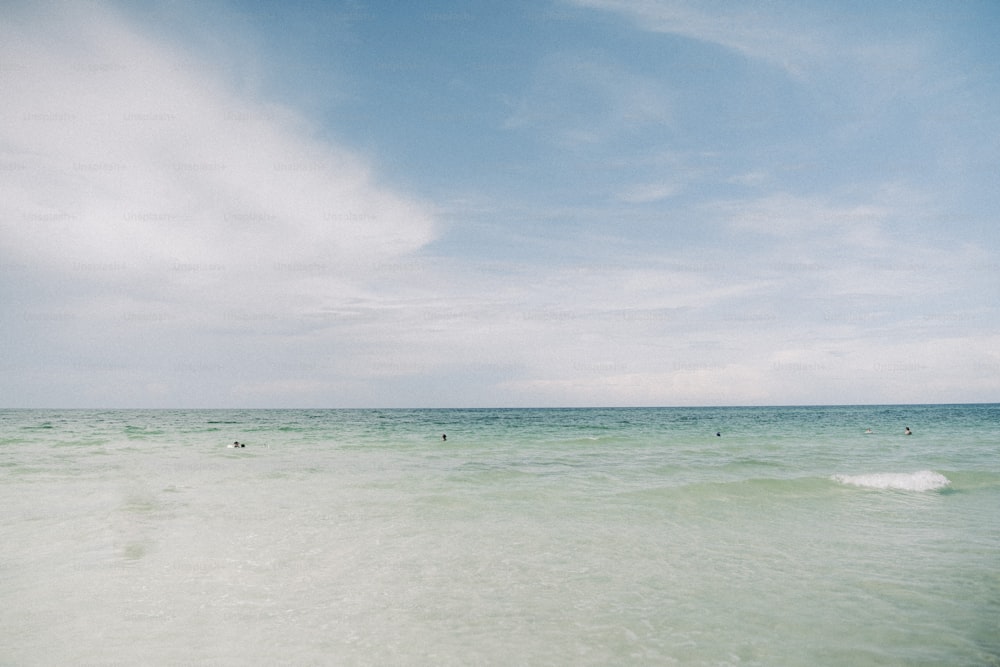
(924,480)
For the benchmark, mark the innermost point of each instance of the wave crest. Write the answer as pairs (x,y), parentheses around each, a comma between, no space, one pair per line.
(924,480)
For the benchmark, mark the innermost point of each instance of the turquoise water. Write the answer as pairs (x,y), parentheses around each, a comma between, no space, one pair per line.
(534,537)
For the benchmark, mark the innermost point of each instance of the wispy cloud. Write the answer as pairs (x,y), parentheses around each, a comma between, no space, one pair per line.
(749,29)
(857,75)
(577,99)
(648,192)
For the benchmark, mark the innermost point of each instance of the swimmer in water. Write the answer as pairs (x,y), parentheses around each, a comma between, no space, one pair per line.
(444,436)
(907,431)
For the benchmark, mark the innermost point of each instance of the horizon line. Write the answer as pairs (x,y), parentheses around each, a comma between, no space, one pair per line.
(541,407)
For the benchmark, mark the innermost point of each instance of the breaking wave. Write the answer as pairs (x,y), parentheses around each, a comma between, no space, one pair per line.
(924,480)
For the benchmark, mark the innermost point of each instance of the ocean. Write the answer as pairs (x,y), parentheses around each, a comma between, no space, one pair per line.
(673,536)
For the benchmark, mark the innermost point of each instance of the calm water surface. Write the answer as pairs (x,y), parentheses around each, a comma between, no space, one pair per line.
(535,537)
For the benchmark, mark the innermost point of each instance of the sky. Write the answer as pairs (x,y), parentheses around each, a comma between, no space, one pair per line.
(478,204)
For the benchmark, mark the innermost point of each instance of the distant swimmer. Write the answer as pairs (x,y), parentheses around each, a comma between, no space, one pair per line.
(444,436)
(718,434)
(236,445)
(907,431)
(868,430)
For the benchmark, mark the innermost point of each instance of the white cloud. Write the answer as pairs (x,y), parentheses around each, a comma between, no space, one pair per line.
(282,389)
(755,367)
(133,169)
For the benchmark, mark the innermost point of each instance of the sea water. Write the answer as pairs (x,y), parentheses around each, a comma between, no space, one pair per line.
(681,536)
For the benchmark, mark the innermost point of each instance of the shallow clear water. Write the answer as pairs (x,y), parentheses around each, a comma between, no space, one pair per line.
(561,537)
